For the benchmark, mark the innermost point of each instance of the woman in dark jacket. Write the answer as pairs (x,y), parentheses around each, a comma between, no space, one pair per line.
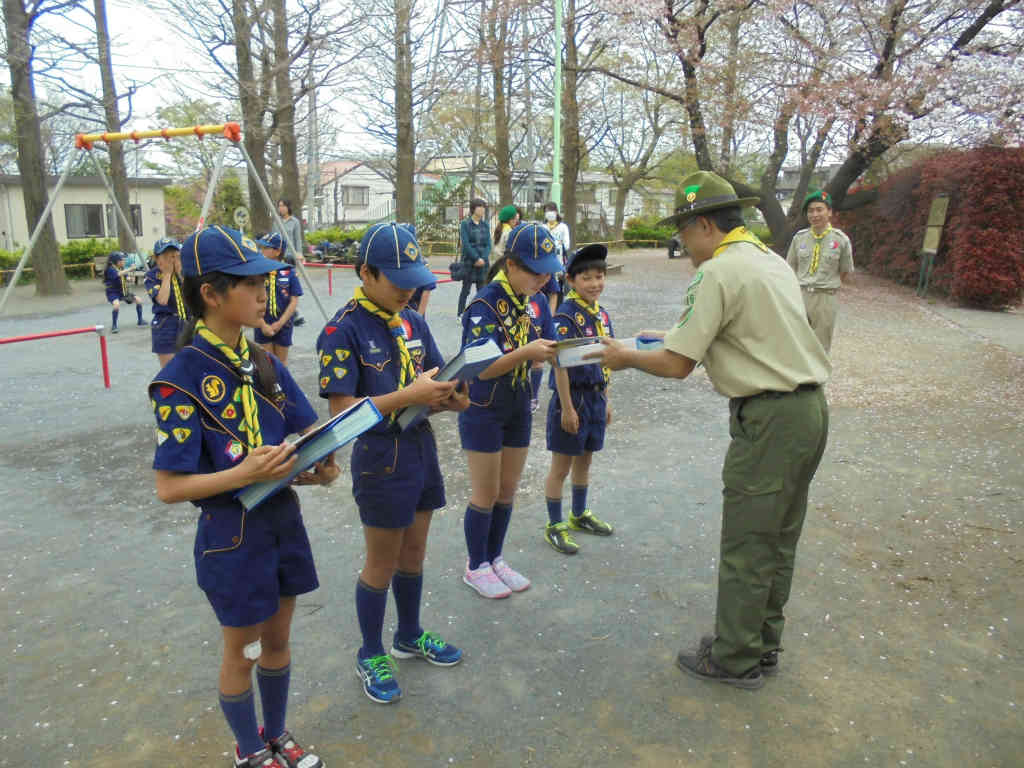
(476,248)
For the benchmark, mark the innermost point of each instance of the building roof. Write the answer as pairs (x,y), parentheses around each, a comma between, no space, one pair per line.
(14,180)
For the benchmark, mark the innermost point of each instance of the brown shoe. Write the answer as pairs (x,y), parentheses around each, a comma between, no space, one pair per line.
(703,667)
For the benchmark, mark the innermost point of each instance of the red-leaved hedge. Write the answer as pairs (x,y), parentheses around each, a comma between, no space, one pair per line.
(980,261)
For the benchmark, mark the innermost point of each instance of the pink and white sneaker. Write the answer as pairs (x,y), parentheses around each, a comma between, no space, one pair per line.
(486,582)
(512,579)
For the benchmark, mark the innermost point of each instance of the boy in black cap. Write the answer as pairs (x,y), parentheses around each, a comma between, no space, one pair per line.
(578,411)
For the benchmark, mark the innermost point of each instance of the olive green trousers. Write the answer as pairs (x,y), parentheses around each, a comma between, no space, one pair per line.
(777,442)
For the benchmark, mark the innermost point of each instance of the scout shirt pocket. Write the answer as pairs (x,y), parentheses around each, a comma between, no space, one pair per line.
(374,455)
(221,529)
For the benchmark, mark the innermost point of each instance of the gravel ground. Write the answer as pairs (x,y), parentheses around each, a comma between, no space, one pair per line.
(903,646)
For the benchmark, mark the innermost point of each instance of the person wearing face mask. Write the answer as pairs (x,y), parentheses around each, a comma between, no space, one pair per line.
(560,234)
(822,258)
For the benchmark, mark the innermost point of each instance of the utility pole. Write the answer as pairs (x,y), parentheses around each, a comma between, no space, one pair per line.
(556,156)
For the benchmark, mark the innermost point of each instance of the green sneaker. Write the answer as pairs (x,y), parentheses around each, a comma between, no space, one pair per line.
(558,536)
(590,524)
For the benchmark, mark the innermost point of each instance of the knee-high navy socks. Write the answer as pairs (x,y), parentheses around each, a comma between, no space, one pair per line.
(477,527)
(500,517)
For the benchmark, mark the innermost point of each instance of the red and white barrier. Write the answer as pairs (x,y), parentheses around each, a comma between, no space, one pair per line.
(97,329)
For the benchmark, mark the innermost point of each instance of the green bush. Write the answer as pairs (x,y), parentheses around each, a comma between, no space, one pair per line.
(84,251)
(334,235)
(644,228)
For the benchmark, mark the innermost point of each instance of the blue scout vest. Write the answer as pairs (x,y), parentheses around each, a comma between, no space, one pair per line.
(574,321)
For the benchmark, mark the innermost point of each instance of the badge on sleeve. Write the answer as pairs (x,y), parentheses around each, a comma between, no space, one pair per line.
(343,355)
(229,412)
(580,320)
(164,411)
(340,372)
(324,381)
(214,389)
(161,436)
(502,307)
(325,358)
(184,411)
(562,330)
(234,450)
(181,434)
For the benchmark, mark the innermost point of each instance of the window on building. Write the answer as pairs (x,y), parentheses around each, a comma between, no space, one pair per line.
(613,196)
(84,220)
(357,197)
(113,220)
(587,195)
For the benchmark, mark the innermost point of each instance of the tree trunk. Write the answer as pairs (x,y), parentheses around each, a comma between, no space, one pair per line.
(118,171)
(621,191)
(570,122)
(291,188)
(405,148)
(476,105)
(249,97)
(502,155)
(50,277)
(729,118)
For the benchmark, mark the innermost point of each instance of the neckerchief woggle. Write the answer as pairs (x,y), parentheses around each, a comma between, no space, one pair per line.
(246,371)
(406,370)
(520,330)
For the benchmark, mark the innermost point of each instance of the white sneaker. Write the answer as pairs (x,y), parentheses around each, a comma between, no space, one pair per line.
(512,579)
(486,582)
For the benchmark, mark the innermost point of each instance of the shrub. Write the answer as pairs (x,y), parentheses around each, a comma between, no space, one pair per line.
(644,228)
(980,259)
(334,235)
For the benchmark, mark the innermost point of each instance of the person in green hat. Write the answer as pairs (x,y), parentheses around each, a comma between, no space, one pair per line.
(508,218)
(822,258)
(743,318)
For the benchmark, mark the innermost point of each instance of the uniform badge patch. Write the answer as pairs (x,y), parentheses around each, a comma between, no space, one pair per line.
(340,372)
(343,355)
(164,412)
(490,327)
(213,388)
(234,450)
(165,391)
(502,307)
(153,403)
(412,251)
(562,330)
(230,412)
(407,326)
(580,320)
(181,434)
(184,411)
(329,329)
(161,436)
(325,358)
(324,381)
(476,319)
(476,330)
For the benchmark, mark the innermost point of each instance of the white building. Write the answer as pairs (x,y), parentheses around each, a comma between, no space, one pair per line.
(84,210)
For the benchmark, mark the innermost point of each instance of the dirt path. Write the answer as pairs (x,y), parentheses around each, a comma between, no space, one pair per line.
(903,645)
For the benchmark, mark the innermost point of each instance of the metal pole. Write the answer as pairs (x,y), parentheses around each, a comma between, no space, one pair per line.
(214,181)
(117,207)
(280,228)
(38,230)
(556,156)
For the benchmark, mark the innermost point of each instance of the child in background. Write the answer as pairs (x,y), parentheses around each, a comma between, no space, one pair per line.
(375,347)
(117,288)
(579,409)
(163,284)
(495,429)
(223,408)
(274,334)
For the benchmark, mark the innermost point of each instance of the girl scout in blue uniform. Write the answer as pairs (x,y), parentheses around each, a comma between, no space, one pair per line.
(579,409)
(163,284)
(117,288)
(283,291)
(223,408)
(375,347)
(495,429)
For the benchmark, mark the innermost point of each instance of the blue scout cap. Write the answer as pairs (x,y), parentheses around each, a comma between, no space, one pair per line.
(582,259)
(534,247)
(220,249)
(117,256)
(392,248)
(272,240)
(164,244)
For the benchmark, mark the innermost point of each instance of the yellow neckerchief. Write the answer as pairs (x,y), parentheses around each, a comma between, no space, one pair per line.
(520,330)
(406,370)
(246,372)
(739,235)
(179,302)
(595,312)
(816,255)
(272,293)
(124,285)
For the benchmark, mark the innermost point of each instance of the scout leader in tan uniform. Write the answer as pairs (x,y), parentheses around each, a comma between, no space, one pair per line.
(822,258)
(744,319)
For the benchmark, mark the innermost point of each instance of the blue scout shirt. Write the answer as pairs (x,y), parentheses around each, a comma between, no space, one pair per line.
(116,286)
(572,321)
(152,282)
(287,284)
(492,315)
(359,358)
(197,402)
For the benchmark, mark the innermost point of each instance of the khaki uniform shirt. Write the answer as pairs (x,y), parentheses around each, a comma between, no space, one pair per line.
(836,256)
(745,319)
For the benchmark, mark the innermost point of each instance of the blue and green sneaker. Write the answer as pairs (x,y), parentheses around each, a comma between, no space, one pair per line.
(427,646)
(378,676)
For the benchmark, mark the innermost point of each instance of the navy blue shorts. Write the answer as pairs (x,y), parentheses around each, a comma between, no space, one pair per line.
(592,408)
(396,475)
(247,561)
(164,330)
(504,423)
(282,338)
